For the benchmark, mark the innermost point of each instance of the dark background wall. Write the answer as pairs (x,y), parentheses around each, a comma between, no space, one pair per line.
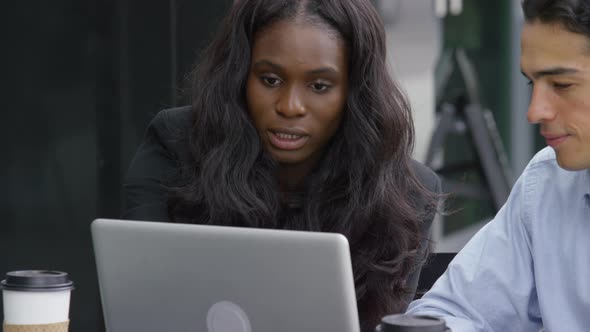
(81,80)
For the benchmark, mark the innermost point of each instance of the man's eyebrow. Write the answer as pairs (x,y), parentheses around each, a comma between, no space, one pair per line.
(552,72)
(274,66)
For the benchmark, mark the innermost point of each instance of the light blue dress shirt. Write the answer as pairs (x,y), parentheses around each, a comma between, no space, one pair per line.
(529,267)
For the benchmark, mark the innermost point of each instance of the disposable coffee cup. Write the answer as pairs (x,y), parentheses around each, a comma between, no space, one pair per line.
(36,301)
(411,323)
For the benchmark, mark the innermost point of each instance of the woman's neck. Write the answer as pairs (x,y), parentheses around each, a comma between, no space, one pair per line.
(292,177)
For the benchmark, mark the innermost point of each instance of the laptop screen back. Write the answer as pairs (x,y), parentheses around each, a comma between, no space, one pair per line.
(179,277)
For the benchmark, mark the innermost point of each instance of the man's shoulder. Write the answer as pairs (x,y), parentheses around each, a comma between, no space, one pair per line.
(546,157)
(544,176)
(545,162)
(543,167)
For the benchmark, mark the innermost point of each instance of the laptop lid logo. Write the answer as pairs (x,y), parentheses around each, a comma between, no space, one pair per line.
(226,316)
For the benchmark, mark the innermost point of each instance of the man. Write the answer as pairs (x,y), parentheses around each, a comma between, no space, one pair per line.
(529,268)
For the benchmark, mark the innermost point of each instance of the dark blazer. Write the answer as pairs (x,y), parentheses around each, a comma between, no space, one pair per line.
(165,148)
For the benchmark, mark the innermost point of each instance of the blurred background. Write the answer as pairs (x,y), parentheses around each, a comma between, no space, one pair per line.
(82,79)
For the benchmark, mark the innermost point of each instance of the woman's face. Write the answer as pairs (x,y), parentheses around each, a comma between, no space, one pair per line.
(296,89)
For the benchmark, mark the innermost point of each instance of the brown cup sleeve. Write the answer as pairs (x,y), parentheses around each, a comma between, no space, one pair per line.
(55,327)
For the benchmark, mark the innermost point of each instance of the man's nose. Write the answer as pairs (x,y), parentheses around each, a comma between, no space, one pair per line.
(541,109)
(290,103)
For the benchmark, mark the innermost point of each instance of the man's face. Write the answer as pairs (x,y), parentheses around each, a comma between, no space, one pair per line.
(557,63)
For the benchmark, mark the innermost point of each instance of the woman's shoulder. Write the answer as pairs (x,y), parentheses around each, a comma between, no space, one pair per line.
(171,127)
(156,163)
(426,176)
(171,122)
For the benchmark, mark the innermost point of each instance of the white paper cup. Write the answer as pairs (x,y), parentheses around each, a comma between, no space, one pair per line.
(36,297)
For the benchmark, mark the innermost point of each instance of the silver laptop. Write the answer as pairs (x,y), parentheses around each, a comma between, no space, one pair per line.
(178,277)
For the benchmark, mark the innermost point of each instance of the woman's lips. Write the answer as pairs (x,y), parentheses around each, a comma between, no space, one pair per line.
(287,140)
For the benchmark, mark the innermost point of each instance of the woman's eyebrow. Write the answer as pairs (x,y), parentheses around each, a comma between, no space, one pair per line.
(274,66)
(323,70)
(262,63)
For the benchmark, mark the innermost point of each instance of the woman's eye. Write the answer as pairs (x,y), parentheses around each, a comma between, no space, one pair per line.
(270,81)
(320,87)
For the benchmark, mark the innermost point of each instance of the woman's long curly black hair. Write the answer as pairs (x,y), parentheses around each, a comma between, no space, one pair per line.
(364,186)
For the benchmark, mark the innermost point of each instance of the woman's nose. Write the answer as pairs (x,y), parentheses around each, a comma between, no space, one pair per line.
(290,103)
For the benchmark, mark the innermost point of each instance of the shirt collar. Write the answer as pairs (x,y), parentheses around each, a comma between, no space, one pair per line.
(587,188)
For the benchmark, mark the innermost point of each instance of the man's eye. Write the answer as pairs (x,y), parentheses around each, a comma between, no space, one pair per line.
(561,86)
(270,81)
(529,83)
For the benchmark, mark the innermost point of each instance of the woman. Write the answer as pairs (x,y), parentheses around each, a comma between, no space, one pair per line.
(295,124)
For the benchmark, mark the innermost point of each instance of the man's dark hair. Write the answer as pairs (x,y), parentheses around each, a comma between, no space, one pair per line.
(364,187)
(573,15)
